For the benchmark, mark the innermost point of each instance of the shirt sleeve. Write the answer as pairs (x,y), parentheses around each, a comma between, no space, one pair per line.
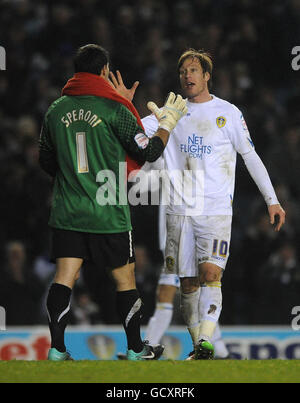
(47,156)
(133,138)
(150,124)
(259,174)
(239,133)
(243,144)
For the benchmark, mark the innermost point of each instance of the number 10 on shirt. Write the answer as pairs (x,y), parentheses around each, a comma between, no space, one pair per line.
(220,248)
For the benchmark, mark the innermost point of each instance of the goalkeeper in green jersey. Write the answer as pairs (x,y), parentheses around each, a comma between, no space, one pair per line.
(89,136)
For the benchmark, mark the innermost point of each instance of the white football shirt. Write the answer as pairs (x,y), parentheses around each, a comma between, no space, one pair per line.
(200,157)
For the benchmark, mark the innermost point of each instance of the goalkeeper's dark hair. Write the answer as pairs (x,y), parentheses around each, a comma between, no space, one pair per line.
(204,58)
(90,58)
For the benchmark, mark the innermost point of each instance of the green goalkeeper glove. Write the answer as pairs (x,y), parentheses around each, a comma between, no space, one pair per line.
(173,109)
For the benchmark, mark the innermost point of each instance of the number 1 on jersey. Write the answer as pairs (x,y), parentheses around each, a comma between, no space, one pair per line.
(82,159)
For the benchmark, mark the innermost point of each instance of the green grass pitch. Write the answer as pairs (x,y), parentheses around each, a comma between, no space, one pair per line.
(168,371)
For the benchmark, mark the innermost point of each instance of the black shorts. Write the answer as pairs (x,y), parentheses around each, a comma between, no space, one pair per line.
(104,250)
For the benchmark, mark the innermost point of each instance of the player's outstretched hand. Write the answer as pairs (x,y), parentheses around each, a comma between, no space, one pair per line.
(276,210)
(118,84)
(173,109)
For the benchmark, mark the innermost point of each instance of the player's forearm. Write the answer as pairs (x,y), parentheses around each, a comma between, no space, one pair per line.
(156,145)
(260,175)
(163,135)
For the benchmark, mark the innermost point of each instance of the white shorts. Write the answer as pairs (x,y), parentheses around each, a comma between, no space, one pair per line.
(192,240)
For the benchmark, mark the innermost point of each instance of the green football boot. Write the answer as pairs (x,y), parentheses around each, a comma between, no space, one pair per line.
(148,353)
(55,355)
(204,350)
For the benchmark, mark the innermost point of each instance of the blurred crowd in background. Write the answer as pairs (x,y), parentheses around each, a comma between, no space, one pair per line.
(250,43)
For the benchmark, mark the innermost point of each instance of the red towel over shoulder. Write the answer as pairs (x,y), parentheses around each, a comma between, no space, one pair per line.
(91,84)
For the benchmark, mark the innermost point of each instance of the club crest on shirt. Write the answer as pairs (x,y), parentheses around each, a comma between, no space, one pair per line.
(221,121)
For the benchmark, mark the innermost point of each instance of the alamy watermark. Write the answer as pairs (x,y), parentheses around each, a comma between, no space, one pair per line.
(296,320)
(2,318)
(2,58)
(155,187)
(296,60)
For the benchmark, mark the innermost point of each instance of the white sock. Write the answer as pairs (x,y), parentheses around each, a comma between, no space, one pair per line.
(189,306)
(221,350)
(159,322)
(210,306)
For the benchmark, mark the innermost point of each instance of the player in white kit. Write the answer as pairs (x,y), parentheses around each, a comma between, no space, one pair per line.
(200,161)
(168,284)
(204,146)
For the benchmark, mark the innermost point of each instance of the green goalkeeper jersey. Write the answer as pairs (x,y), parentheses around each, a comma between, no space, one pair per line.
(83,144)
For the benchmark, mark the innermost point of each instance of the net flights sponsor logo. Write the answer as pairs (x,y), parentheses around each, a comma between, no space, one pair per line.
(196,147)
